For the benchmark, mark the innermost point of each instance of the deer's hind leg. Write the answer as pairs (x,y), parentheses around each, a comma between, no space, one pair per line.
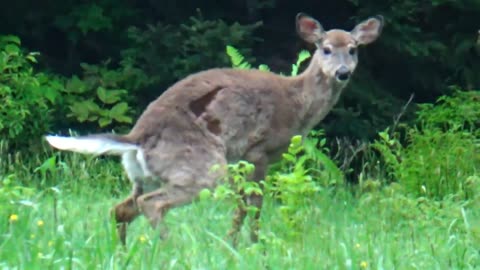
(185,175)
(154,205)
(126,211)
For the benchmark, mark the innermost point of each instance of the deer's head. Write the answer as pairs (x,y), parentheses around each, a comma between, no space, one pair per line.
(337,49)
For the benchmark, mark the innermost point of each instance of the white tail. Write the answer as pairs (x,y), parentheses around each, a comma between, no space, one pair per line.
(91,145)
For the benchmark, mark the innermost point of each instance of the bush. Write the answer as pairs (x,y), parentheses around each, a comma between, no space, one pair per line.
(304,170)
(35,103)
(442,154)
(27,96)
(102,96)
(461,110)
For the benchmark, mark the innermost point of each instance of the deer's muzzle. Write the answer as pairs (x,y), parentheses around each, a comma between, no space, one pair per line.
(343,73)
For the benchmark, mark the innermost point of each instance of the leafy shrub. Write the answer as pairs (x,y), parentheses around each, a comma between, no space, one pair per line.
(434,164)
(461,110)
(441,155)
(101,96)
(35,102)
(304,170)
(26,95)
(293,186)
(237,185)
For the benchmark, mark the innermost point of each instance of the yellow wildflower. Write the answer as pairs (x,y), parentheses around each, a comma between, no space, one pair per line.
(13,217)
(142,239)
(363,264)
(357,246)
(40,223)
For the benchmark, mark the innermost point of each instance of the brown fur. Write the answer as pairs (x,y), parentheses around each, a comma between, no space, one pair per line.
(220,116)
(340,38)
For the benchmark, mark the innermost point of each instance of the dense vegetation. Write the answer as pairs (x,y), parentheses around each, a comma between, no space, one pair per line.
(93,66)
(94,56)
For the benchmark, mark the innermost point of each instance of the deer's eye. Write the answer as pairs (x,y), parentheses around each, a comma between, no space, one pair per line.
(352,51)
(327,51)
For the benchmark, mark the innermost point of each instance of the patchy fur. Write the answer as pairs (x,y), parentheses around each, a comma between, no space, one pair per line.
(219,116)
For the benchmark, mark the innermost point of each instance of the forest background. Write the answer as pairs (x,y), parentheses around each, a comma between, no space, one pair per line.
(94,65)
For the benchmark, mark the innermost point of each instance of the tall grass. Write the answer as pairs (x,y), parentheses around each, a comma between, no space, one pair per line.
(61,221)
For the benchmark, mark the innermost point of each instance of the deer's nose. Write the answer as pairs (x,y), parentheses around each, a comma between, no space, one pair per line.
(343,73)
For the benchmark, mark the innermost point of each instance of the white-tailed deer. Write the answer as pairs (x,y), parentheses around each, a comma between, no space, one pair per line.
(225,115)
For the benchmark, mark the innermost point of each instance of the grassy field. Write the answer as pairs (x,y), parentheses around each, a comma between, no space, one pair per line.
(61,221)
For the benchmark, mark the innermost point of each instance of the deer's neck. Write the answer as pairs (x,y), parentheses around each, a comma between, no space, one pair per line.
(319,93)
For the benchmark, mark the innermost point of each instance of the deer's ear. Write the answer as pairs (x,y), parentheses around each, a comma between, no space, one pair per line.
(368,30)
(309,29)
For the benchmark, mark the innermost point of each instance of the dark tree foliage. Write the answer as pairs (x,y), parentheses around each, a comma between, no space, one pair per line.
(426,47)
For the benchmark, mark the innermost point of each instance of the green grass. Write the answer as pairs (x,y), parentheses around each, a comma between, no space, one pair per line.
(341,228)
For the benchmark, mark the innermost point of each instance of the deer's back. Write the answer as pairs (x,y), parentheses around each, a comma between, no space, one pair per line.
(237,109)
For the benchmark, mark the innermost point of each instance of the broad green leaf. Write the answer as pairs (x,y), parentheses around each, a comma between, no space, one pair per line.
(12,49)
(10,38)
(109,96)
(79,112)
(93,118)
(102,95)
(103,122)
(51,94)
(91,106)
(296,140)
(47,165)
(83,109)
(75,85)
(288,157)
(204,194)
(123,119)
(119,109)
